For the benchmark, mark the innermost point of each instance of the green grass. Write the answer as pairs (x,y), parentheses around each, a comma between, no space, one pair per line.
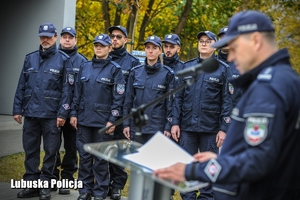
(12,167)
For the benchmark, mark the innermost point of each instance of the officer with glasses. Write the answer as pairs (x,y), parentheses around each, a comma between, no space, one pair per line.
(121,56)
(201,112)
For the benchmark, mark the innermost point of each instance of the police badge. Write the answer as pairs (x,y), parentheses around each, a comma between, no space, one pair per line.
(230,88)
(120,88)
(71,79)
(256,130)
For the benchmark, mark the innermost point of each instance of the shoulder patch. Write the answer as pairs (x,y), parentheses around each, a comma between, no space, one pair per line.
(256,130)
(266,74)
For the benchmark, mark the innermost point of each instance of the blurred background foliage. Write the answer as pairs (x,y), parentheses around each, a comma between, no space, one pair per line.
(186,18)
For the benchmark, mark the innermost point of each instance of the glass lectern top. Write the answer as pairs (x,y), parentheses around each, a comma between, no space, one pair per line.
(116,152)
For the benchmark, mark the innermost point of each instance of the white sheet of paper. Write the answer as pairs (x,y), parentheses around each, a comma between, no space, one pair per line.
(159,152)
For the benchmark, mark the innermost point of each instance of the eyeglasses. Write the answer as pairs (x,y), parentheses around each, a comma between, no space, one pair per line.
(206,42)
(112,36)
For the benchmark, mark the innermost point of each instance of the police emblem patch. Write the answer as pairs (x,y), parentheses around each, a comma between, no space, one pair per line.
(120,88)
(230,88)
(256,130)
(227,120)
(66,106)
(115,112)
(212,170)
(71,79)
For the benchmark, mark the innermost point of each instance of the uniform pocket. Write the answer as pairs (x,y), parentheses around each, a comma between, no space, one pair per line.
(27,96)
(101,107)
(158,114)
(210,117)
(187,113)
(53,73)
(159,87)
(107,81)
(138,86)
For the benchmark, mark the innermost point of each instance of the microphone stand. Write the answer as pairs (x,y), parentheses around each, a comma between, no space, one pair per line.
(139,117)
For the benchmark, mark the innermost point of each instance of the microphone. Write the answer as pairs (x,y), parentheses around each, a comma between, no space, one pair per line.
(209,65)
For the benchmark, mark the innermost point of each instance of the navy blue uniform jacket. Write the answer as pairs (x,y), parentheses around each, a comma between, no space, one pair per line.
(260,156)
(99,93)
(146,83)
(45,85)
(205,105)
(125,60)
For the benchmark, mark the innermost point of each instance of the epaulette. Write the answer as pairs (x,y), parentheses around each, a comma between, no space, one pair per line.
(83,55)
(86,61)
(115,64)
(223,63)
(32,52)
(63,53)
(266,74)
(191,60)
(132,56)
(169,68)
(135,67)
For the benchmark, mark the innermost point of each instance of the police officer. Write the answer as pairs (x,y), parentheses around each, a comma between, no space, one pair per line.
(171,48)
(234,91)
(69,162)
(145,83)
(260,157)
(201,112)
(97,103)
(42,97)
(120,55)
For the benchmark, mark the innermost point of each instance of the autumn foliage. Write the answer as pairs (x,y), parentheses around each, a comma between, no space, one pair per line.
(185,18)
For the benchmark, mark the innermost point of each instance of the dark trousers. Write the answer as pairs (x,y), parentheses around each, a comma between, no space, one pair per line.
(93,171)
(69,162)
(192,142)
(118,175)
(33,130)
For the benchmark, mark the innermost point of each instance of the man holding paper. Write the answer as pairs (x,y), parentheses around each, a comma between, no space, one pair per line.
(260,156)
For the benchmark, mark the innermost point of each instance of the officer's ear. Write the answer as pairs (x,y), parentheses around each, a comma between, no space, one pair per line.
(125,40)
(109,48)
(178,49)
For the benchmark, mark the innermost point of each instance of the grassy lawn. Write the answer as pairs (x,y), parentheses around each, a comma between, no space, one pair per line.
(12,167)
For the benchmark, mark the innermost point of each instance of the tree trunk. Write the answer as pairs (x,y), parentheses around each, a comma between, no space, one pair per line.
(131,23)
(144,24)
(184,16)
(105,12)
(118,15)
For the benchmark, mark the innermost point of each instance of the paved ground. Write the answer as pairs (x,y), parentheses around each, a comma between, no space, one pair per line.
(11,143)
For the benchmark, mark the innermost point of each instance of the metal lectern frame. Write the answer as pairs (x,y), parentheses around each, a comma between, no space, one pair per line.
(143,185)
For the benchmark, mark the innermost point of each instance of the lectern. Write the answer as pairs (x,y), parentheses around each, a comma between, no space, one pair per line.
(143,185)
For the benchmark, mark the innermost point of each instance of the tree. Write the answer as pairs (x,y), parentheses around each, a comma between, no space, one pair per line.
(186,18)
